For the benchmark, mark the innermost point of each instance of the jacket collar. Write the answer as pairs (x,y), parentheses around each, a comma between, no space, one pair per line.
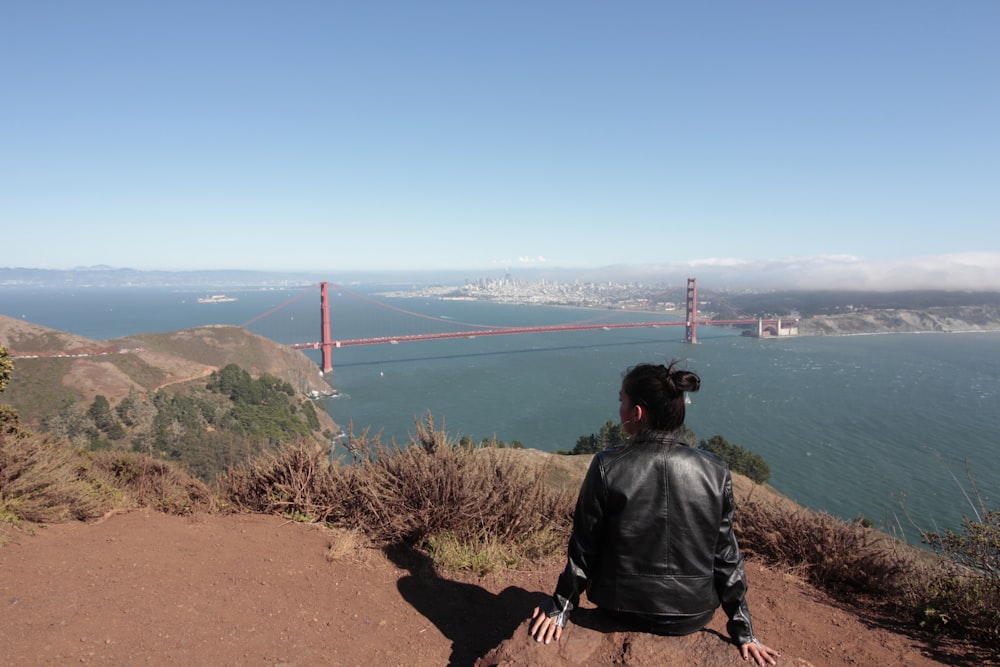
(652,437)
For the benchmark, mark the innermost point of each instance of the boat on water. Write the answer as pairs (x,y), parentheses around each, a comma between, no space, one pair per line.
(217,298)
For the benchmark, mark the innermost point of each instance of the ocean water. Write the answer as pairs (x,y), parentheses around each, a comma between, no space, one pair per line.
(857,425)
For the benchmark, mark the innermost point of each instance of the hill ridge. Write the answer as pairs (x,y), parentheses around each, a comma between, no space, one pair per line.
(53,367)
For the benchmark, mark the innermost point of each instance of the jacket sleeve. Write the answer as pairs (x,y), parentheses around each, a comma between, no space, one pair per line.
(730,577)
(583,553)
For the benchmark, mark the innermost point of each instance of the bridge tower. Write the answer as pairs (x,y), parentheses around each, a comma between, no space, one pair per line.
(325,344)
(691,330)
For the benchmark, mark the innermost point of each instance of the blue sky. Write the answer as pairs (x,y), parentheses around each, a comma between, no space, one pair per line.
(857,138)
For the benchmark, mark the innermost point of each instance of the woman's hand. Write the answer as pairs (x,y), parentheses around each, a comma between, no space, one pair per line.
(761,654)
(544,628)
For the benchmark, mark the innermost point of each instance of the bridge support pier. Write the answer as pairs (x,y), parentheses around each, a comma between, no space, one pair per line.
(691,330)
(325,344)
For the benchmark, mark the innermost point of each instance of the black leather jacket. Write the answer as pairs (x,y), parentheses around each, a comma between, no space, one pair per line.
(653,535)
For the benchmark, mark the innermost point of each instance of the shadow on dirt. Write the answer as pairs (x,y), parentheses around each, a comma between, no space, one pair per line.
(474,619)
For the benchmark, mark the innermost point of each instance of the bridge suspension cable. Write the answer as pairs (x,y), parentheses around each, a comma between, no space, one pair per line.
(272,311)
(327,343)
(389,306)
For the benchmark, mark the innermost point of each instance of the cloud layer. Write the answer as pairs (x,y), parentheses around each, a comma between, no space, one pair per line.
(961,271)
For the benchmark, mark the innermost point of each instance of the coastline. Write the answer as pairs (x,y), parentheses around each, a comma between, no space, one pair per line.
(891,333)
(933,319)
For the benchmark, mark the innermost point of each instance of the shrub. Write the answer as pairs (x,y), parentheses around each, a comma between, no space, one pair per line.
(958,603)
(298,480)
(449,499)
(964,597)
(432,486)
(842,558)
(469,507)
(44,480)
(40,481)
(977,546)
(145,481)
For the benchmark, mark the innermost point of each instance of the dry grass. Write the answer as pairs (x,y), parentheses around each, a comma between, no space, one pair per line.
(843,558)
(477,509)
(953,590)
(869,568)
(41,481)
(298,481)
(435,487)
(343,543)
(144,481)
(486,503)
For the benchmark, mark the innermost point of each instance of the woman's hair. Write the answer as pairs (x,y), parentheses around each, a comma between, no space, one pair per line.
(660,391)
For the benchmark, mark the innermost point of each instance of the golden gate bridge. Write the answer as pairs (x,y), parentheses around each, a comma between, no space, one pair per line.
(327,343)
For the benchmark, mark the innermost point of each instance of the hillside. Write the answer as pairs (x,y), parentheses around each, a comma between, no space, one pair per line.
(225,590)
(53,368)
(945,319)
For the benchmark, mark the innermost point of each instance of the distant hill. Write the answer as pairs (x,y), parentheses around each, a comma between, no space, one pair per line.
(944,320)
(809,303)
(841,313)
(53,368)
(107,276)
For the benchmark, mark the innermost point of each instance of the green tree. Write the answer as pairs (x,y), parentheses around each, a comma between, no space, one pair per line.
(9,421)
(740,459)
(613,435)
(106,421)
(261,408)
(6,368)
(100,412)
(116,431)
(136,412)
(72,423)
(610,435)
(232,381)
(126,407)
(312,419)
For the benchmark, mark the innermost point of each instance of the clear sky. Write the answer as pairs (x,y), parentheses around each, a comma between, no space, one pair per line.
(333,135)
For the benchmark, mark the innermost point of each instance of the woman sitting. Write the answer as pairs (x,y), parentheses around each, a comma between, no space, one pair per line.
(653,542)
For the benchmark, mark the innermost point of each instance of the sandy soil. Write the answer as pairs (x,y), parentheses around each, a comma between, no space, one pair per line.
(144,588)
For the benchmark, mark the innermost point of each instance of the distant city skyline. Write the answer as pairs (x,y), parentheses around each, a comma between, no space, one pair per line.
(784,144)
(968,272)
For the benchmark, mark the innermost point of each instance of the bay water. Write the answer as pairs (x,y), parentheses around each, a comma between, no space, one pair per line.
(881,426)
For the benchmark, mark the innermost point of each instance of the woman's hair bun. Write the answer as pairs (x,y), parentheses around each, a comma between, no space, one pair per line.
(684,381)
(675,381)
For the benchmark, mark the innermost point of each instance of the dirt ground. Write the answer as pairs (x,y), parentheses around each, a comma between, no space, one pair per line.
(145,588)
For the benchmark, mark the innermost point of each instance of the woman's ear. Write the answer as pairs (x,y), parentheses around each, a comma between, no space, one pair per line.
(639,414)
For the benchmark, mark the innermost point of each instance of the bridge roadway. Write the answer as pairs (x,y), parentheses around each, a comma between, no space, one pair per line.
(509,331)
